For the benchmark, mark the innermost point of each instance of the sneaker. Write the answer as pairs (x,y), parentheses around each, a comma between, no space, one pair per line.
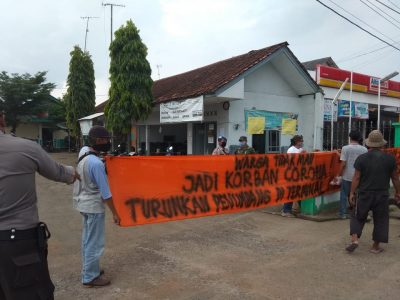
(97,282)
(287,215)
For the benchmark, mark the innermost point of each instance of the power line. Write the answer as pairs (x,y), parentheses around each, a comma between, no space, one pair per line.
(368,51)
(371,61)
(394,4)
(361,20)
(380,13)
(388,7)
(357,25)
(360,55)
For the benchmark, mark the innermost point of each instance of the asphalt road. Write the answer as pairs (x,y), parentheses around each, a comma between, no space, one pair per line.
(251,255)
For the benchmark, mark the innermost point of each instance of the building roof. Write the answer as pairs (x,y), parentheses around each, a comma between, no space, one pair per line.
(326,61)
(91,117)
(208,79)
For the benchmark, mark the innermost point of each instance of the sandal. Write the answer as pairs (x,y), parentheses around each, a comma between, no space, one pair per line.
(376,251)
(350,248)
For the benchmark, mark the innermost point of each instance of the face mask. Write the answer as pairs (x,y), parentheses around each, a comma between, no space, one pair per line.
(242,144)
(223,144)
(102,147)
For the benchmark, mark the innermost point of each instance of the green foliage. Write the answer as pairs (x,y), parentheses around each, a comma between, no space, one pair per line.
(57,111)
(23,95)
(130,95)
(80,99)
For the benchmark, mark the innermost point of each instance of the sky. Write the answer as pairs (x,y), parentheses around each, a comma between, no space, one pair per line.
(182,35)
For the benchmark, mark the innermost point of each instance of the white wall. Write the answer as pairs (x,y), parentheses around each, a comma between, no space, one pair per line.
(28,130)
(59,134)
(265,89)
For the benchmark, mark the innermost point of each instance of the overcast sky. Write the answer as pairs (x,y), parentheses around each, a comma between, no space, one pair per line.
(185,34)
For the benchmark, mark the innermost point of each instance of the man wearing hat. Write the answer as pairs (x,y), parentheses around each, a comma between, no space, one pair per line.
(244,148)
(370,191)
(221,149)
(90,196)
(24,273)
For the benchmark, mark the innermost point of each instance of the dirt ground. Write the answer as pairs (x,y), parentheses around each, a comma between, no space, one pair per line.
(251,255)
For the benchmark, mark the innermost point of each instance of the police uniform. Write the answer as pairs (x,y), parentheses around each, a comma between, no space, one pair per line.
(24,272)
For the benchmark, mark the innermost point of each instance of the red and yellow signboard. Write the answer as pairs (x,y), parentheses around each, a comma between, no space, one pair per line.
(333,77)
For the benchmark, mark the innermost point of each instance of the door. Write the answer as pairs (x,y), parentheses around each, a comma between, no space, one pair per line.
(259,143)
(204,138)
(268,142)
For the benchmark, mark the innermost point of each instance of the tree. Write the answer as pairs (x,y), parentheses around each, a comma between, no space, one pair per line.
(57,111)
(22,95)
(130,96)
(80,99)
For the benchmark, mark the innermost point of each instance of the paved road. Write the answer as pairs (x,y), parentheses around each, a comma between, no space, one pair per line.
(250,255)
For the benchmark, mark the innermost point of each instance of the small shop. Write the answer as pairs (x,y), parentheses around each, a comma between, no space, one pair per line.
(363,105)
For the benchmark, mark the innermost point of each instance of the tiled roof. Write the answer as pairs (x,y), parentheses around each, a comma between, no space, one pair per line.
(326,61)
(207,79)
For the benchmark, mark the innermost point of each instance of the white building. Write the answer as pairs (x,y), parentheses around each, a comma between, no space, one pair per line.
(269,82)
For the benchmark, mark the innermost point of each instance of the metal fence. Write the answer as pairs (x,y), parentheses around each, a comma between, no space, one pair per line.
(341,132)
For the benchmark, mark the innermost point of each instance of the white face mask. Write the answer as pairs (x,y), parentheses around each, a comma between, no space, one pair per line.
(242,143)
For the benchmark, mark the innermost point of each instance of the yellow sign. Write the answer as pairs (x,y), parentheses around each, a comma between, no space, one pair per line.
(289,126)
(255,125)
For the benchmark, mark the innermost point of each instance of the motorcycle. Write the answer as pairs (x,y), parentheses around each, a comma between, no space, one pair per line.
(170,151)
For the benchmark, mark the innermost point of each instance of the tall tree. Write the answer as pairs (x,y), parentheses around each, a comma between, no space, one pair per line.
(23,95)
(80,98)
(130,96)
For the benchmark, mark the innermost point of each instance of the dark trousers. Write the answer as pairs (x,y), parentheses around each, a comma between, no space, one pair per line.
(378,203)
(24,274)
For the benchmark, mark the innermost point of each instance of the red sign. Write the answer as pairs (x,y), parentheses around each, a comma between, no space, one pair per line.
(332,77)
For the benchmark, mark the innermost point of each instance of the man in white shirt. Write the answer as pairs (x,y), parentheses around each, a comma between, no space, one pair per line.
(348,156)
(296,147)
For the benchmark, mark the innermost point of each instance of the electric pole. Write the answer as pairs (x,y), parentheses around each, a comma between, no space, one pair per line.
(87,28)
(158,70)
(112,5)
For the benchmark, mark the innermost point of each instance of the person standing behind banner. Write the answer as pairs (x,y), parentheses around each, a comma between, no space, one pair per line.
(348,156)
(373,171)
(221,150)
(89,196)
(244,148)
(24,272)
(296,146)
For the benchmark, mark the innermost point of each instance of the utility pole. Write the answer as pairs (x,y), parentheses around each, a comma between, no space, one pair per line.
(158,70)
(112,6)
(87,28)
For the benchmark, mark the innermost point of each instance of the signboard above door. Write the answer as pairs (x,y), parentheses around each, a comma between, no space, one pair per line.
(188,110)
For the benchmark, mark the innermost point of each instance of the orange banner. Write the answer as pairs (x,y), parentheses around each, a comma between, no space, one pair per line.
(159,189)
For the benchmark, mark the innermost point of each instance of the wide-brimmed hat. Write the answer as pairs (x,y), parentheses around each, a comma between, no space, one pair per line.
(243,139)
(375,139)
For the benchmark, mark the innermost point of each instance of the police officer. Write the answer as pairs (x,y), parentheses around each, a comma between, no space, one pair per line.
(24,273)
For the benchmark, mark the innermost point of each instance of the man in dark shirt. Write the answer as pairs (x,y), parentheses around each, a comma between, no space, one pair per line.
(373,171)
